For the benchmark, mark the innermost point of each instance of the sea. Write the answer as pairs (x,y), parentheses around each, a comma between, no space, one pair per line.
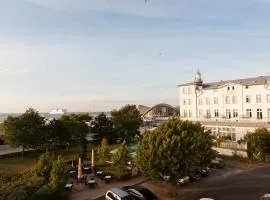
(3,116)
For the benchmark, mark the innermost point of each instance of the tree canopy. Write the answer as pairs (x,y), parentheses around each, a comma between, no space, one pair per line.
(25,130)
(258,144)
(102,126)
(174,149)
(126,122)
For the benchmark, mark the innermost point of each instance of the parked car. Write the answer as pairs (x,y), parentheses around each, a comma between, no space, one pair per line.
(265,197)
(140,193)
(194,176)
(183,181)
(205,171)
(118,194)
(206,199)
(217,163)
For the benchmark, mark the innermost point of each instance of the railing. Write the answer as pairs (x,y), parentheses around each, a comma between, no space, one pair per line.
(232,145)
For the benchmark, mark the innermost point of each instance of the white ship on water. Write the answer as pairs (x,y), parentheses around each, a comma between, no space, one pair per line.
(58,111)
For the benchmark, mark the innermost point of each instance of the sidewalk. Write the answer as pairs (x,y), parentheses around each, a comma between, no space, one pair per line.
(81,192)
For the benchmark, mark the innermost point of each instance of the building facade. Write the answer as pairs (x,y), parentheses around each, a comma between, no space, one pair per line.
(232,107)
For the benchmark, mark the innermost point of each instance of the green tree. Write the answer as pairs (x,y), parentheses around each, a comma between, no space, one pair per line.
(103,150)
(102,126)
(258,144)
(56,134)
(174,149)
(25,130)
(122,155)
(44,165)
(77,127)
(126,122)
(59,173)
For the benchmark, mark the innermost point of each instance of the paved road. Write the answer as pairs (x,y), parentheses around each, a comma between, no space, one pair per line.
(6,149)
(247,185)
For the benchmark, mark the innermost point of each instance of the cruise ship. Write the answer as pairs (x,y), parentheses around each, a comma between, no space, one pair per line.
(58,111)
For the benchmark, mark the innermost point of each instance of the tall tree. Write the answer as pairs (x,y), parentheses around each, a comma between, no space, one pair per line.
(25,130)
(102,126)
(126,122)
(258,144)
(174,148)
(56,134)
(78,127)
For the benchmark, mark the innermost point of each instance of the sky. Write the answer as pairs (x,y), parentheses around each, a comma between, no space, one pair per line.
(98,55)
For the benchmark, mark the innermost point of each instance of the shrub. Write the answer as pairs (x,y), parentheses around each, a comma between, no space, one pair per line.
(44,165)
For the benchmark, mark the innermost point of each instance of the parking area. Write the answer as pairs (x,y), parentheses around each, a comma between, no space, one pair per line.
(230,184)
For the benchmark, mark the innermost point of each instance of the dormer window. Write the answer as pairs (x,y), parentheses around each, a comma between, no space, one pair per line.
(232,87)
(228,88)
(246,86)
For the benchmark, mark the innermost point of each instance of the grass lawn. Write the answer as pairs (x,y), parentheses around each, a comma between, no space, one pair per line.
(15,164)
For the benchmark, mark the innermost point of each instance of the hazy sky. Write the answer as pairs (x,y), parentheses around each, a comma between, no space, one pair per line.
(88,55)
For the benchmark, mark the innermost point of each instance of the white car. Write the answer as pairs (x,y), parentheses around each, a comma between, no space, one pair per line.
(206,199)
(118,194)
(265,197)
(184,180)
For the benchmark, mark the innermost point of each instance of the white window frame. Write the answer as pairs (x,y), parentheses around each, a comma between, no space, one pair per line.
(258,98)
(268,98)
(227,100)
(235,113)
(215,100)
(259,113)
(216,113)
(248,113)
(248,99)
(207,101)
(234,99)
(200,101)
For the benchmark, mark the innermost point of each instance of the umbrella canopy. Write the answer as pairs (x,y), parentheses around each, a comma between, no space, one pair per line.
(92,160)
(80,169)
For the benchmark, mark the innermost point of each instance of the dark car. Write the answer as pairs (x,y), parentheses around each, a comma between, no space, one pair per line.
(217,163)
(140,193)
(194,176)
(205,172)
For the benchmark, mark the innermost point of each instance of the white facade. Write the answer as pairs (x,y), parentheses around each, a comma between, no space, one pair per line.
(237,105)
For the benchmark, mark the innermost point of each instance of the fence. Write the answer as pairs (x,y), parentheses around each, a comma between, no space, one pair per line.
(232,145)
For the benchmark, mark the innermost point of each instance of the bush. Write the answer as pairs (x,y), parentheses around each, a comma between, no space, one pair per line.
(117,173)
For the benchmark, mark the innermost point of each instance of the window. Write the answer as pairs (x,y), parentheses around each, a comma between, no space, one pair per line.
(200,113)
(248,113)
(234,99)
(190,113)
(268,98)
(200,101)
(189,102)
(216,113)
(259,113)
(228,88)
(184,91)
(228,113)
(207,101)
(235,113)
(185,113)
(111,195)
(248,99)
(246,86)
(189,90)
(227,99)
(258,98)
(215,100)
(208,113)
(268,113)
(232,87)
(184,102)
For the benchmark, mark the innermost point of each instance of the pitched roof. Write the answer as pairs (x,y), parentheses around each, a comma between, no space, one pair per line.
(260,80)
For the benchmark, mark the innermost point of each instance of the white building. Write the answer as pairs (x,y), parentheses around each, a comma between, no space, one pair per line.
(232,107)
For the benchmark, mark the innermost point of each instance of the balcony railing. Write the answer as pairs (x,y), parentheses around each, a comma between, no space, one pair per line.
(232,145)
